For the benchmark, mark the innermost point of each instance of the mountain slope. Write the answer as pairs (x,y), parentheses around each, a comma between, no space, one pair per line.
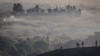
(85,51)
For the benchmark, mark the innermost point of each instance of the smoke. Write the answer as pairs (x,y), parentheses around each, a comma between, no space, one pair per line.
(63,30)
(39,25)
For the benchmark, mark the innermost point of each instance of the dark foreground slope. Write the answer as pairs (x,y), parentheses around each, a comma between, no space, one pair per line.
(85,51)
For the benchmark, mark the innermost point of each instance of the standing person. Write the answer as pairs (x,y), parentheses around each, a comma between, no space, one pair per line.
(82,43)
(96,43)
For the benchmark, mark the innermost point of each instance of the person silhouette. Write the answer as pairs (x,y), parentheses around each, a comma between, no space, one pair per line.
(96,43)
(77,44)
(82,43)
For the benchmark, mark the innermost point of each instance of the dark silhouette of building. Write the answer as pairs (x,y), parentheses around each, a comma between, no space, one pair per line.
(36,9)
(49,10)
(56,9)
(68,7)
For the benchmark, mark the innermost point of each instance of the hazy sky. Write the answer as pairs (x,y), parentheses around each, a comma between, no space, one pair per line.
(86,2)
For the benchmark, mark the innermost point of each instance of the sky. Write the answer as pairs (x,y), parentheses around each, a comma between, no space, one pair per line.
(94,3)
(29,3)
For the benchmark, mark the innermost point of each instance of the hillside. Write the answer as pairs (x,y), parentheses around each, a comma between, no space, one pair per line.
(85,51)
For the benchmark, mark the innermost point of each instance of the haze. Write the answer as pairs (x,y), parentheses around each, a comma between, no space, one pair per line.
(76,27)
(94,3)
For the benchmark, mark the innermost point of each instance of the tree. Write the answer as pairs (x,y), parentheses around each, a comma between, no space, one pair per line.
(5,45)
(14,7)
(17,7)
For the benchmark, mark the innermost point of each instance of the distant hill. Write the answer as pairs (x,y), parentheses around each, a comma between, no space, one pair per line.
(85,51)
